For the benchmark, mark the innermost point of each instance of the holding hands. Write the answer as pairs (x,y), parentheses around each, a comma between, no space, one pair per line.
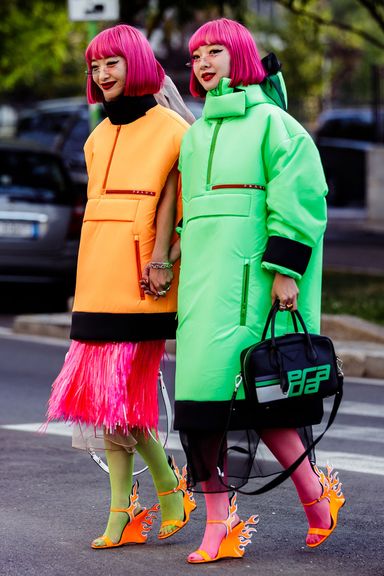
(157,279)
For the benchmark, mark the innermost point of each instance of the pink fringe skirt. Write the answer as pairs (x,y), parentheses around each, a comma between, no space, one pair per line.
(112,385)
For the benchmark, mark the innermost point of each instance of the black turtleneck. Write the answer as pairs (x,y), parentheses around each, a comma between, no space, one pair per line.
(127,109)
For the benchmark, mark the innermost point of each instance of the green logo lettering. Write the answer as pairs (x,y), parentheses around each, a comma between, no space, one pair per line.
(307,381)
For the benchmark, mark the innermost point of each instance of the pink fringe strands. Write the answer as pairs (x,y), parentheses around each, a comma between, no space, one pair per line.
(111,385)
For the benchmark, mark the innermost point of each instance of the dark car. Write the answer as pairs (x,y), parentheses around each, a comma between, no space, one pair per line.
(343,137)
(41,211)
(350,124)
(62,125)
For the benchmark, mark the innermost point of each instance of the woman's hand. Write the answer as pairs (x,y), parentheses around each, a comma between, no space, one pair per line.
(284,288)
(156,282)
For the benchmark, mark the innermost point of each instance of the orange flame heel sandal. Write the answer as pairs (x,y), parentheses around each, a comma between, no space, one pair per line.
(331,486)
(236,539)
(137,527)
(188,501)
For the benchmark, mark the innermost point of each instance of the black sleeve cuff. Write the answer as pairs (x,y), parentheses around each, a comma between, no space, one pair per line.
(287,253)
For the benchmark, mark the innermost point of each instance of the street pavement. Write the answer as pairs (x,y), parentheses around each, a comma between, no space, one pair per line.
(54,500)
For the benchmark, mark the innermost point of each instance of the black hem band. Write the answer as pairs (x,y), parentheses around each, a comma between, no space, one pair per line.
(212,416)
(287,253)
(106,327)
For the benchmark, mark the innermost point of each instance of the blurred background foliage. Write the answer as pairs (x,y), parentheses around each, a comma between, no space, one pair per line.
(328,47)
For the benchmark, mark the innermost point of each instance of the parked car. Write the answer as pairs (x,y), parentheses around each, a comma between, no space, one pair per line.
(343,136)
(62,125)
(41,211)
(350,124)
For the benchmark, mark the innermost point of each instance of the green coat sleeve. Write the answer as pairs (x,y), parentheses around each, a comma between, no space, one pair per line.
(296,207)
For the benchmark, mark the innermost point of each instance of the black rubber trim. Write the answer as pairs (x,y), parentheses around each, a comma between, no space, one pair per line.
(287,253)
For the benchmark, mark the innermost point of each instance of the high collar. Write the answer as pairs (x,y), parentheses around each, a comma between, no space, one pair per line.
(225,101)
(127,109)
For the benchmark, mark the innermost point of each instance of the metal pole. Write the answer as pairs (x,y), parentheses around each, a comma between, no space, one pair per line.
(93,112)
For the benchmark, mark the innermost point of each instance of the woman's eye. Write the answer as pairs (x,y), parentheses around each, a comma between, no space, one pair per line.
(94,69)
(195,57)
(215,51)
(112,63)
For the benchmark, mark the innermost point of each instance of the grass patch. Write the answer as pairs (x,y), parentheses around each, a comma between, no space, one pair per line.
(356,294)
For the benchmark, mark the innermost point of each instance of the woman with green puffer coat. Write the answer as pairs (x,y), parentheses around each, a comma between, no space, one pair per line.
(254,216)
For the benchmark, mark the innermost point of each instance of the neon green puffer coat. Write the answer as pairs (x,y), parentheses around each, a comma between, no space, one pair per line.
(253,204)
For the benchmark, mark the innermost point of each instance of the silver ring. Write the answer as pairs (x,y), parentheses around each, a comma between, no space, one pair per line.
(162,293)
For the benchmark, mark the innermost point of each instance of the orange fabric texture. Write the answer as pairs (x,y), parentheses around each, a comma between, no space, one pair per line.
(127,167)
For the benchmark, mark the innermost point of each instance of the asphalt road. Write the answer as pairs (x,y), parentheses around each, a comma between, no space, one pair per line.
(54,499)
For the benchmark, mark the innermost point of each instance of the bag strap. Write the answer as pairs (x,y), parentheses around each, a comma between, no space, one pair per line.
(287,473)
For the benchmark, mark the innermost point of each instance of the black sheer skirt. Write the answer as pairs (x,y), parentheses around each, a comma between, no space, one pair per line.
(235,457)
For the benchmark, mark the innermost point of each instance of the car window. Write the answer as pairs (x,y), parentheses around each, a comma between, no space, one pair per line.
(28,176)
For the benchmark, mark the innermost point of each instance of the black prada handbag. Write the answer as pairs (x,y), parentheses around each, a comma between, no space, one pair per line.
(285,380)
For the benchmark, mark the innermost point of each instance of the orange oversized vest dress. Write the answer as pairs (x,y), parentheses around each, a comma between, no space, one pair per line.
(127,166)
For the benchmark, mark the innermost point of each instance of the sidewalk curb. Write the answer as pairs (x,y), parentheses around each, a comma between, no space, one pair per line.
(360,344)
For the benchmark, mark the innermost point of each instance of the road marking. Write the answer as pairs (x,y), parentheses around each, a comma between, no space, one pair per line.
(360,409)
(10,335)
(351,462)
(356,433)
(369,381)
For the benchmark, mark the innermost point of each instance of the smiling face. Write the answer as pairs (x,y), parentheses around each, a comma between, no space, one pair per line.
(110,76)
(211,63)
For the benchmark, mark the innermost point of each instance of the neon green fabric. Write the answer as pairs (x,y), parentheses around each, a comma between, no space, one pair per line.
(243,138)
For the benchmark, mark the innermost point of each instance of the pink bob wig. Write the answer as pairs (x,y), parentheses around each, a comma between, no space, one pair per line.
(145,75)
(246,66)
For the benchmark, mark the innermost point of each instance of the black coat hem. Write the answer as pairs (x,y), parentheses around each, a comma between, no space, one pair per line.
(106,327)
(216,416)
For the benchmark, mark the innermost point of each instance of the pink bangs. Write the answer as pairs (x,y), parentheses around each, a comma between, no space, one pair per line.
(246,66)
(145,74)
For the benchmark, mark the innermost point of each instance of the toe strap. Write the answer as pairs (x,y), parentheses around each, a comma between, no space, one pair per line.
(205,556)
(178,523)
(106,542)
(319,531)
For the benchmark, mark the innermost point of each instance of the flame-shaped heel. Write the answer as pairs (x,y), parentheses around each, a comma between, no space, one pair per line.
(137,527)
(331,486)
(236,538)
(188,501)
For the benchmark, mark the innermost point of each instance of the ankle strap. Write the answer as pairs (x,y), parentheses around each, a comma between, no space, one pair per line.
(126,510)
(173,491)
(217,522)
(314,501)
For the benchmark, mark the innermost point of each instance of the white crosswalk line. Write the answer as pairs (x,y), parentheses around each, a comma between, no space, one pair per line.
(351,408)
(357,433)
(351,462)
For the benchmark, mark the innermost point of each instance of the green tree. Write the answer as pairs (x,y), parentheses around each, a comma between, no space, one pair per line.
(40,50)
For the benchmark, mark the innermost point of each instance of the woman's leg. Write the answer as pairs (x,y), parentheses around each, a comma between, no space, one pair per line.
(153,454)
(120,464)
(286,445)
(216,503)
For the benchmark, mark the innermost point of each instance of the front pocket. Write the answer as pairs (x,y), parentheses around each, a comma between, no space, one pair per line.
(244,294)
(138,267)
(111,209)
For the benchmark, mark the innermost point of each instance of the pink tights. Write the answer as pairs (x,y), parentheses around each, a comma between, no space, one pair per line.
(286,445)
